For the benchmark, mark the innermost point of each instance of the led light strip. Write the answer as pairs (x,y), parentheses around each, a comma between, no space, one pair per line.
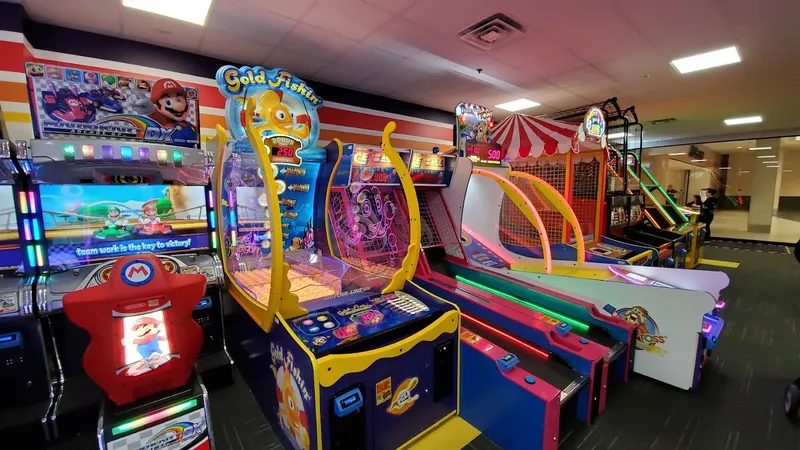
(156,416)
(526,303)
(517,341)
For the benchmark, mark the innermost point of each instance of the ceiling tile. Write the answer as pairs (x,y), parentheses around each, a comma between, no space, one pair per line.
(341,75)
(559,64)
(294,9)
(587,74)
(380,86)
(312,41)
(398,36)
(233,49)
(298,63)
(105,18)
(393,6)
(530,48)
(597,90)
(256,26)
(369,59)
(147,27)
(637,66)
(350,18)
(448,17)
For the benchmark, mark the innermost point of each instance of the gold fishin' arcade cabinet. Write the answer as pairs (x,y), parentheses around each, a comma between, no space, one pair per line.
(337,357)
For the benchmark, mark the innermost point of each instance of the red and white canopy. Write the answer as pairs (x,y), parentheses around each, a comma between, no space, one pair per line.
(526,136)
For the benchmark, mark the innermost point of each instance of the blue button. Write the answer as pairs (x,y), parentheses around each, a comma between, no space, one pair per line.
(563,325)
(530,380)
(313,329)
(583,341)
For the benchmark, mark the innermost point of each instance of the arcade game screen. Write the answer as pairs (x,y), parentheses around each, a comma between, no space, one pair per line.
(87,223)
(9,236)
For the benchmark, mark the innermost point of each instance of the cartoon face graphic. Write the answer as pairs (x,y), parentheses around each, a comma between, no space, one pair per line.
(173,106)
(113,213)
(35,70)
(636,316)
(54,73)
(150,211)
(90,77)
(280,119)
(143,85)
(291,411)
(146,330)
(73,75)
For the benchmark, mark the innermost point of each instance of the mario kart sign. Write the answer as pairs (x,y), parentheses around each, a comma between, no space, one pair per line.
(286,109)
(77,102)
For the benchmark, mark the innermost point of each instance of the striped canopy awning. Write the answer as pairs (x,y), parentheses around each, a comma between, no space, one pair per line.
(524,136)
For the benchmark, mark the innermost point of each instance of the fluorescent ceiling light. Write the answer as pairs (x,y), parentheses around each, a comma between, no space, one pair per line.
(773,167)
(770,162)
(755,149)
(517,105)
(743,120)
(745,171)
(698,160)
(724,168)
(193,11)
(708,60)
(788,170)
(677,154)
(765,156)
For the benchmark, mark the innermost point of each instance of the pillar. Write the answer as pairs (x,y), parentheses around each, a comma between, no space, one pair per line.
(766,188)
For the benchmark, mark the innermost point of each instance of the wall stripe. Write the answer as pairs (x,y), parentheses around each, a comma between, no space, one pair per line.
(351,124)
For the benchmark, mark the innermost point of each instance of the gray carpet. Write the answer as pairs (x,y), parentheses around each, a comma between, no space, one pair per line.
(749,246)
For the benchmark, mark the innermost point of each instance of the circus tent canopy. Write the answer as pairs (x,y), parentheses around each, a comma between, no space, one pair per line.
(526,136)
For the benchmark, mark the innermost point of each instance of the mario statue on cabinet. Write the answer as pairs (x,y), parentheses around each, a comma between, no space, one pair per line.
(143,337)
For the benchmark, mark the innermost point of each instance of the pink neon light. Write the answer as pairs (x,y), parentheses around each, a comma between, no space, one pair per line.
(210,200)
(720,304)
(32,201)
(707,328)
(620,273)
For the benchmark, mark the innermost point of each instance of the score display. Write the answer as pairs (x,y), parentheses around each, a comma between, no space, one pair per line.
(283,150)
(474,135)
(372,166)
(431,168)
(484,153)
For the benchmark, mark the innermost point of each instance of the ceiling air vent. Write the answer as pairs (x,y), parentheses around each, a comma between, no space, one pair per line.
(492,32)
(663,121)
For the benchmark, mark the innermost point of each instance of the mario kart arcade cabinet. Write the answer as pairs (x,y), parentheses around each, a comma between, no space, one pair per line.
(25,371)
(142,349)
(336,356)
(126,183)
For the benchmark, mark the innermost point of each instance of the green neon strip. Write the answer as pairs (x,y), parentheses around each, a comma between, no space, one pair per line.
(526,303)
(663,192)
(653,199)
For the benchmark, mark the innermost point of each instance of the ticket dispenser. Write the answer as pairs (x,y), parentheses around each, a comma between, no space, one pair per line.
(143,345)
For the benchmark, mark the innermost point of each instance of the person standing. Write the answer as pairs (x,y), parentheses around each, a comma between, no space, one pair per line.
(707,209)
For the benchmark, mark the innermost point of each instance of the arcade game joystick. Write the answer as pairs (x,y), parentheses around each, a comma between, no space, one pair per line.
(142,349)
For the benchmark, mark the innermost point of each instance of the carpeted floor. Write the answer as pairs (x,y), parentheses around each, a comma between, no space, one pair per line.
(749,246)
(738,407)
(740,403)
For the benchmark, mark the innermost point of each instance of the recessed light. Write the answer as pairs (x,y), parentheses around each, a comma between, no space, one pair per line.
(193,11)
(788,170)
(698,160)
(744,171)
(738,147)
(743,120)
(517,105)
(765,156)
(677,154)
(707,60)
(724,168)
(755,149)
(773,167)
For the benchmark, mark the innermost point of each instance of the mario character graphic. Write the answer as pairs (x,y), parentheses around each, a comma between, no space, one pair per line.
(171,105)
(648,338)
(148,336)
(149,220)
(278,119)
(291,411)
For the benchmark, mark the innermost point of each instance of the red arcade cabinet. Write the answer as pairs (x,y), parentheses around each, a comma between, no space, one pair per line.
(143,346)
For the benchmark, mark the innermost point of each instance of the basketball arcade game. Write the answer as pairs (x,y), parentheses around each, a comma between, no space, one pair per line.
(351,353)
(26,374)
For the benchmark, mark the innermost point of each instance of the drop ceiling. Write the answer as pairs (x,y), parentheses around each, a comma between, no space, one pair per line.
(572,52)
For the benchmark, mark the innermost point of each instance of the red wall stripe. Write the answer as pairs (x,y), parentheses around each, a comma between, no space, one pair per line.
(372,122)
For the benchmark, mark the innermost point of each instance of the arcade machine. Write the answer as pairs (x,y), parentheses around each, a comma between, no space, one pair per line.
(582,296)
(95,200)
(337,357)
(27,375)
(371,232)
(143,343)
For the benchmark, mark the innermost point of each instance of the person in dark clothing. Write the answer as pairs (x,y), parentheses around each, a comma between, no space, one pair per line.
(707,210)
(696,203)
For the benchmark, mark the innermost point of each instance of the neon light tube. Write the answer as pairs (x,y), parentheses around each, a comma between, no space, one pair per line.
(23,202)
(527,303)
(142,421)
(32,201)
(506,335)
(39,257)
(720,304)
(36,233)
(27,227)
(212,218)
(31,256)
(214,240)
(210,199)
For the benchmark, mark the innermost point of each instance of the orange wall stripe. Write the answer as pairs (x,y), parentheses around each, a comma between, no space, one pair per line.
(13,92)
